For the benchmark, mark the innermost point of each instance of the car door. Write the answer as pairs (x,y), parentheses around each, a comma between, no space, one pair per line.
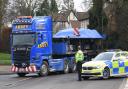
(124,62)
(115,64)
(115,67)
(121,66)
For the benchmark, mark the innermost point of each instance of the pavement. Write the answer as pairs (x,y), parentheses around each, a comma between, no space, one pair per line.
(5,69)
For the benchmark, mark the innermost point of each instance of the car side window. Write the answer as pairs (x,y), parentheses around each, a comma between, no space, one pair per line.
(121,56)
(124,54)
(117,55)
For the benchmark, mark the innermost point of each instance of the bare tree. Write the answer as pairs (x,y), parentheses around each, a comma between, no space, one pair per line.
(87,5)
(25,7)
(68,5)
(32,5)
(3,8)
(20,8)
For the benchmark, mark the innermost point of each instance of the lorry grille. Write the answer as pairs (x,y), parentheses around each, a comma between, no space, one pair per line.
(21,58)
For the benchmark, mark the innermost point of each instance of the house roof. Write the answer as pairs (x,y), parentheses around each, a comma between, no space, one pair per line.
(59,18)
(63,16)
(75,24)
(82,15)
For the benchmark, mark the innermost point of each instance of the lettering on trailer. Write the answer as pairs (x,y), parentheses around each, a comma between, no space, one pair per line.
(43,44)
(22,26)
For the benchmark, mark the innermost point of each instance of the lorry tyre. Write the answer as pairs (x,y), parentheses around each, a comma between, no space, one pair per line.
(73,67)
(66,67)
(44,69)
(21,74)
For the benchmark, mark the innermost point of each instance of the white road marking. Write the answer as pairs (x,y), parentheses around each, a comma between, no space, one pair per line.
(14,83)
(126,84)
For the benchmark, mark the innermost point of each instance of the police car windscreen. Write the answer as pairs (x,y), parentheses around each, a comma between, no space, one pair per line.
(103,56)
(23,39)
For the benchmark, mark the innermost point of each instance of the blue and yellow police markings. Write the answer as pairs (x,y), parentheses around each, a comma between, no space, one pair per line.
(118,67)
(43,44)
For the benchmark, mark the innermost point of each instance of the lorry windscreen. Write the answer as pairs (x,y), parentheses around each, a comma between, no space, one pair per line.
(23,39)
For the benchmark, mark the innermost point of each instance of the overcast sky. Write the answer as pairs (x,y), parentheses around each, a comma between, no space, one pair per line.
(79,5)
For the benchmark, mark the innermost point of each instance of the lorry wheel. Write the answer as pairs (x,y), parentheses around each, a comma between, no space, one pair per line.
(21,74)
(73,68)
(66,67)
(44,69)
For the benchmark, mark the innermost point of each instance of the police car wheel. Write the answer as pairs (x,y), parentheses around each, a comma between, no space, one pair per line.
(44,69)
(106,73)
(21,74)
(86,77)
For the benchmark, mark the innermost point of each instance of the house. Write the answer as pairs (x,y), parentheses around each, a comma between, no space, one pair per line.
(68,19)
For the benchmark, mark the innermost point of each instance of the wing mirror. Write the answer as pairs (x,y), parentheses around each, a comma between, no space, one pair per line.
(40,36)
(115,59)
(92,59)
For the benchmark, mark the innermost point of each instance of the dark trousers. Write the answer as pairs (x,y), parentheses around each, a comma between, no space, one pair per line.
(79,69)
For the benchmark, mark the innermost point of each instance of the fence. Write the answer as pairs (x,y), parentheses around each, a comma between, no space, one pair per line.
(5,40)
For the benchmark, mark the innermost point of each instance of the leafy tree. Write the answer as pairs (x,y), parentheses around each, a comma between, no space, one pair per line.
(44,8)
(121,15)
(53,7)
(97,17)
(117,23)
(3,8)
(47,8)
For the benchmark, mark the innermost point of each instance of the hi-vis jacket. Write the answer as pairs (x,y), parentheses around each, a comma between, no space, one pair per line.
(79,56)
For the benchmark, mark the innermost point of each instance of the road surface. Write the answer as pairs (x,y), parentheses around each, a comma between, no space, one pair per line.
(58,81)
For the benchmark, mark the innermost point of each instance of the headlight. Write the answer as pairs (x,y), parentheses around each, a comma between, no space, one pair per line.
(97,67)
(90,67)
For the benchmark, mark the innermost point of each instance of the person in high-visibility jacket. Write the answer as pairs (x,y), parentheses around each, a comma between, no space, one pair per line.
(79,57)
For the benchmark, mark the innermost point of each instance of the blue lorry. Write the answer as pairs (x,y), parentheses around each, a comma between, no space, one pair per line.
(34,50)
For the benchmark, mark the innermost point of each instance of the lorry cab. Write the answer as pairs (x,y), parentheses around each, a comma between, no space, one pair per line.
(30,39)
(33,49)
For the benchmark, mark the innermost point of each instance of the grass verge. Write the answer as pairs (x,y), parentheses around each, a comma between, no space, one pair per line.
(5,59)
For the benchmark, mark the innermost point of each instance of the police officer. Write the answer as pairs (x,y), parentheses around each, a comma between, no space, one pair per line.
(79,57)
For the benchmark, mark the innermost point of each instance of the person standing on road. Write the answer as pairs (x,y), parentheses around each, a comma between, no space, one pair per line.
(79,57)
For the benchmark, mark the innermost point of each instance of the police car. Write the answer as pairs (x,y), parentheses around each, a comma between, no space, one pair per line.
(106,64)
